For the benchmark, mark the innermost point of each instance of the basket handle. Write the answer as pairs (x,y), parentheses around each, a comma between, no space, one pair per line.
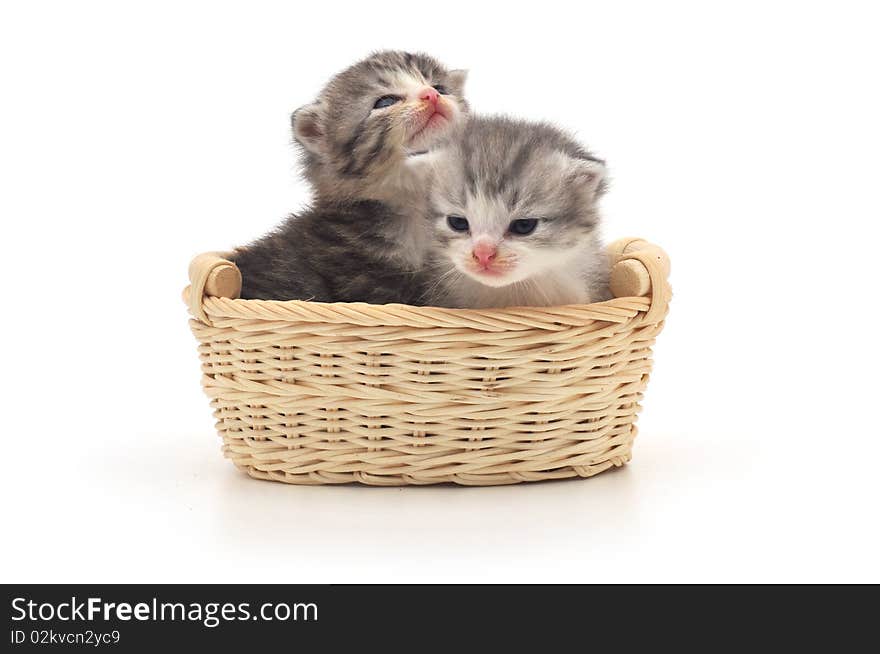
(641,269)
(211,274)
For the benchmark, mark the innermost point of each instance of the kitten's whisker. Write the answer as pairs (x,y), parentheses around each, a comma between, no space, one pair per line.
(441,279)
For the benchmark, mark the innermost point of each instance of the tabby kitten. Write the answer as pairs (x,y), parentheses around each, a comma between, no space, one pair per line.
(357,134)
(515,220)
(362,239)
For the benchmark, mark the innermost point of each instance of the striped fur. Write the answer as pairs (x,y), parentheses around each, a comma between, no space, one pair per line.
(332,253)
(351,150)
(500,170)
(363,239)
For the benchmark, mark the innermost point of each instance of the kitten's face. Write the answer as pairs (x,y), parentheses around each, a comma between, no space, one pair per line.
(512,200)
(378,111)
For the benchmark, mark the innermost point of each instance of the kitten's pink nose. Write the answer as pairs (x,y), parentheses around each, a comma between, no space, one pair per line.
(429,94)
(484,253)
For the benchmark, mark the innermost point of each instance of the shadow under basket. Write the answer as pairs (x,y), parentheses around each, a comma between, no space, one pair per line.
(316,393)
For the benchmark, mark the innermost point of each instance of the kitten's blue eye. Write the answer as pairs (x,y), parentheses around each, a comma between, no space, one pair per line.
(457,223)
(442,90)
(386,101)
(523,226)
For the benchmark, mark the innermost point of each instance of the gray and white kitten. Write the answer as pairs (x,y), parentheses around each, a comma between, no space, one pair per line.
(362,239)
(513,207)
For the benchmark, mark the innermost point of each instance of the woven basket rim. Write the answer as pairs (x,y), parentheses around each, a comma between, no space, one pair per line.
(618,310)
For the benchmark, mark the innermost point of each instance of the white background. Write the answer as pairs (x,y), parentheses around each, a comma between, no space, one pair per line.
(744,140)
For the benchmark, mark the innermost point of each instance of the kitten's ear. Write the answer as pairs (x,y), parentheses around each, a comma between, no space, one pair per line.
(308,129)
(588,175)
(455,79)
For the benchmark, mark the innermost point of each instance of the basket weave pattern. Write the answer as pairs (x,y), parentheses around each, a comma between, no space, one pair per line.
(313,393)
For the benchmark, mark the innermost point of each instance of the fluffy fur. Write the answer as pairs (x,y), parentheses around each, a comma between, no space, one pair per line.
(350,149)
(336,253)
(368,201)
(499,171)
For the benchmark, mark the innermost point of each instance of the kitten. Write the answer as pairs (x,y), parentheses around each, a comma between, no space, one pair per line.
(514,212)
(357,134)
(362,239)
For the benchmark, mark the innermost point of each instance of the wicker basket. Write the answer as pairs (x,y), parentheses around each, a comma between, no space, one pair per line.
(313,393)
